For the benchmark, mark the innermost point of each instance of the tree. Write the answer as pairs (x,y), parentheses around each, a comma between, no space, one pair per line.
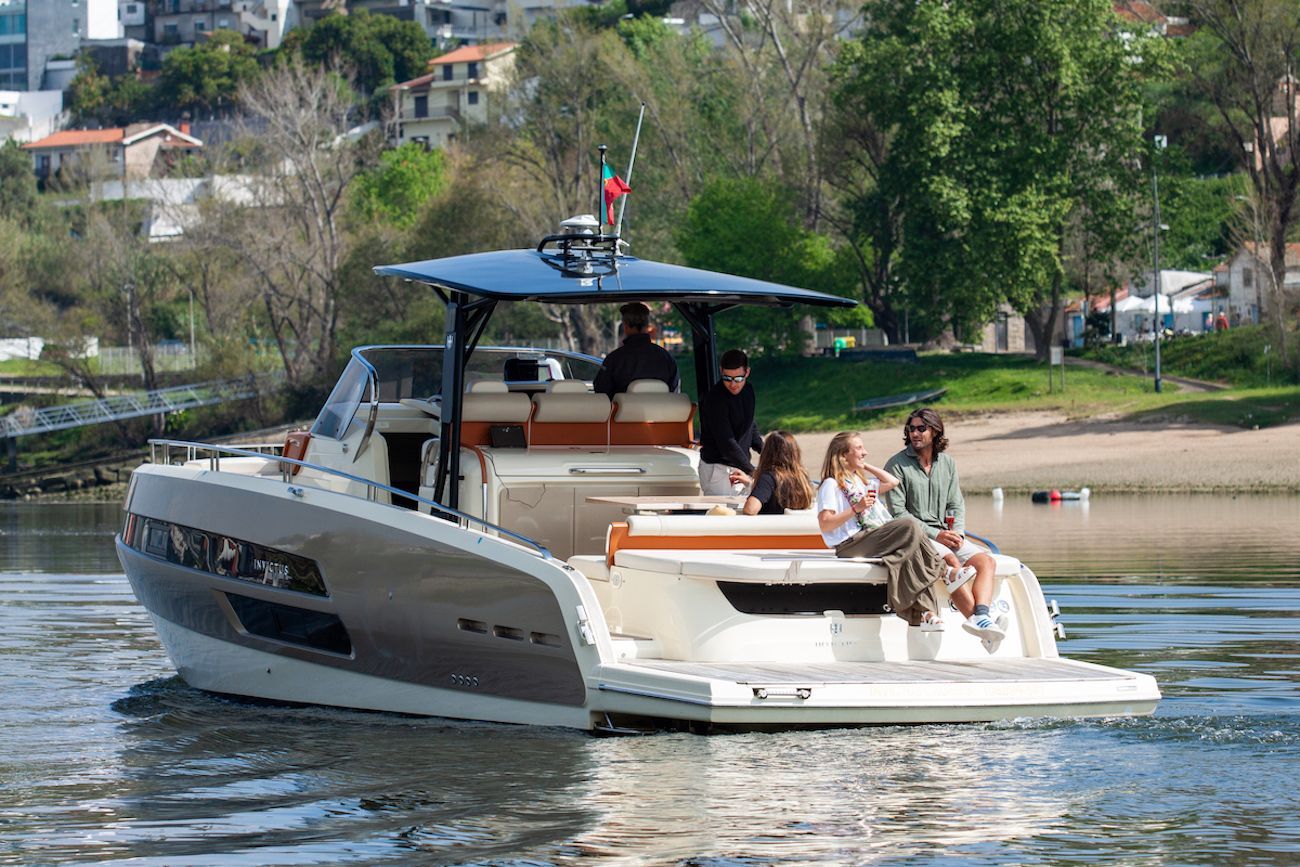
(546,141)
(208,75)
(96,98)
(394,191)
(1010,124)
(88,92)
(17,182)
(1250,76)
(726,225)
(380,49)
(783,50)
(289,229)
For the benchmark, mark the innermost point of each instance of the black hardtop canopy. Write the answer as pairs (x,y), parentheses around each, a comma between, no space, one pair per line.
(581,268)
(529,275)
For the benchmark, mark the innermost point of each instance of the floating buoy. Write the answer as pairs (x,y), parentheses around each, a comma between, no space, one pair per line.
(1056,496)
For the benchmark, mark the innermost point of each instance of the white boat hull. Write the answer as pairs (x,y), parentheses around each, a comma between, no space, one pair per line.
(454,623)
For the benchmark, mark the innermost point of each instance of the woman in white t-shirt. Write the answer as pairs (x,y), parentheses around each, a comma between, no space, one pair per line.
(856,524)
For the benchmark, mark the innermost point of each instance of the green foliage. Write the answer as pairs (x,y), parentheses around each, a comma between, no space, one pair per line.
(1185,111)
(96,98)
(17,182)
(1010,125)
(379,49)
(88,92)
(746,227)
(598,16)
(208,75)
(1199,213)
(1244,356)
(397,189)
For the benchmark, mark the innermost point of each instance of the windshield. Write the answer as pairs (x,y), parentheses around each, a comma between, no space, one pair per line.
(403,372)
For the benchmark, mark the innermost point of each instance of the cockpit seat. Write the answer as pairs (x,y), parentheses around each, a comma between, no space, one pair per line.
(487,403)
(649,415)
(568,414)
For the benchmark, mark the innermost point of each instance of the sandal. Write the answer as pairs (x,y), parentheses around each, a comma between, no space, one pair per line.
(954,578)
(930,622)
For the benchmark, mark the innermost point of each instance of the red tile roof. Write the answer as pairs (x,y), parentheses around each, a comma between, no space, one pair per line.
(77,138)
(1138,10)
(472,53)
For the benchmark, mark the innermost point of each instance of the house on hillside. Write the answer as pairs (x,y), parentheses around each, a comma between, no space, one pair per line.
(29,115)
(138,151)
(1145,13)
(431,109)
(185,22)
(1244,281)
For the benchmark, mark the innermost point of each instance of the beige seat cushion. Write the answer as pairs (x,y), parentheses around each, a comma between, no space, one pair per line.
(570,406)
(567,386)
(651,406)
(647,386)
(495,406)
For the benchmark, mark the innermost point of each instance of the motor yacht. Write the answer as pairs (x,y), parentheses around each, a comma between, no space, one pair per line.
(472,532)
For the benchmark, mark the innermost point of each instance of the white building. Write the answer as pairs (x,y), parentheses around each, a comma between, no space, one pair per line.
(431,109)
(37,33)
(184,22)
(1246,281)
(30,115)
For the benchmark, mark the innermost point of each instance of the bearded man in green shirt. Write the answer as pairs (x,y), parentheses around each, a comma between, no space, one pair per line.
(929,491)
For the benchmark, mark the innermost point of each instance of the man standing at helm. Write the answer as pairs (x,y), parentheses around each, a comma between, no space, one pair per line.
(727,430)
(638,358)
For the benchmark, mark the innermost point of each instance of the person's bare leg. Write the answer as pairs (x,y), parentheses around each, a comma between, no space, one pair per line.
(964,599)
(982,583)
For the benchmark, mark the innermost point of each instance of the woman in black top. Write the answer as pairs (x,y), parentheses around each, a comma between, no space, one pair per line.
(779,481)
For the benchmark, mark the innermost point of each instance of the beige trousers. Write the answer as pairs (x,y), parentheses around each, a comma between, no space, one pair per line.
(911,563)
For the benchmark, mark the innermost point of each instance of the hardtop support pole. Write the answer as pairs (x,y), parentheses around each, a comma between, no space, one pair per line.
(703,345)
(453,385)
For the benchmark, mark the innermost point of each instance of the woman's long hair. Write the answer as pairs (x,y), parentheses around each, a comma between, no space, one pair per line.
(781,458)
(836,464)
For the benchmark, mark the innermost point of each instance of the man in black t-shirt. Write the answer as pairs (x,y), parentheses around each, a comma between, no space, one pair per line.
(638,358)
(727,429)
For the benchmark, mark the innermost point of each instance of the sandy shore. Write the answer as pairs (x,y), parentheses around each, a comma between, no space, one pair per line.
(1036,451)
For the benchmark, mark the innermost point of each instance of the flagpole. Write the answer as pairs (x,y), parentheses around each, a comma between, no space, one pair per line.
(636,139)
(600,192)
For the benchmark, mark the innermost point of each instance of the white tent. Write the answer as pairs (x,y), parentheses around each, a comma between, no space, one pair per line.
(1134,304)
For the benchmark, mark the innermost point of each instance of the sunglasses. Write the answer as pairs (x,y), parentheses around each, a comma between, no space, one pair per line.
(727,378)
(916,428)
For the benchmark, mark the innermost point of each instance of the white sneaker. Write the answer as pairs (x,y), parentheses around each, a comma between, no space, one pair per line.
(992,644)
(983,626)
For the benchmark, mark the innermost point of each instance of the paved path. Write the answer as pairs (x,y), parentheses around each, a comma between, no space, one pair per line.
(1182,382)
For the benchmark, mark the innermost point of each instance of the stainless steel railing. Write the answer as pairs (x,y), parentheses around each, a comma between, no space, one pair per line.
(194,451)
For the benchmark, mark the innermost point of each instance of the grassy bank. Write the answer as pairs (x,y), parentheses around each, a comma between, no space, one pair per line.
(1246,357)
(817,394)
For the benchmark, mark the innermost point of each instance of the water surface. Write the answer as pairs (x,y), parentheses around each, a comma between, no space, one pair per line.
(106,756)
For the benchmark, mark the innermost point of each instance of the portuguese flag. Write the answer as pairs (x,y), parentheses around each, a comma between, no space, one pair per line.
(614,187)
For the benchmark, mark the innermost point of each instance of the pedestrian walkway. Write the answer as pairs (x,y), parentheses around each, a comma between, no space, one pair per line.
(26,421)
(1183,382)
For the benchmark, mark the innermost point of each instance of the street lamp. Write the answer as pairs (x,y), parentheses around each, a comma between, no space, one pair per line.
(1159,143)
